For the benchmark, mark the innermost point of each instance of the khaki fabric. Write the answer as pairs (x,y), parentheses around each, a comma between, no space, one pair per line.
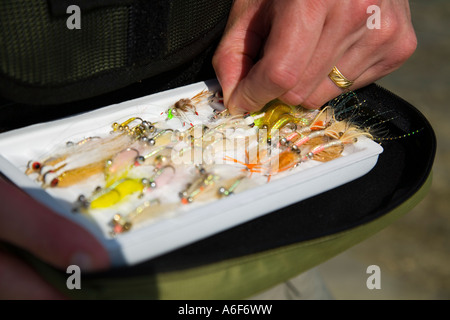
(239,278)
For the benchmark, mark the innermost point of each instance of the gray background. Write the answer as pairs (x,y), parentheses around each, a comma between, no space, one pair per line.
(414,252)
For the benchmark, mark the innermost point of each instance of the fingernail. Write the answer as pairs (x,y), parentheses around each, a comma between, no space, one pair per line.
(82,260)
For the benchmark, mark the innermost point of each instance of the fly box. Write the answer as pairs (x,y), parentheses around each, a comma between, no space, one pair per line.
(151,175)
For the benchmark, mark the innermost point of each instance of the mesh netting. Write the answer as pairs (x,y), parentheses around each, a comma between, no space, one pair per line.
(119,43)
(39,49)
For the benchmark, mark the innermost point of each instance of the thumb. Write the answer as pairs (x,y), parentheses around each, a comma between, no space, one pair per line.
(51,237)
(243,99)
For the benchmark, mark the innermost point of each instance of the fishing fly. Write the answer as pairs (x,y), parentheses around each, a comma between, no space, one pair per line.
(145,167)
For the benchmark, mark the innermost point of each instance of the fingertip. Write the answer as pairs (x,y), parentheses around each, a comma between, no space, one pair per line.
(90,262)
(240,102)
(81,248)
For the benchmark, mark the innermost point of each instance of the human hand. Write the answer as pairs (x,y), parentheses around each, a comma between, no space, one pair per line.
(286,48)
(28,224)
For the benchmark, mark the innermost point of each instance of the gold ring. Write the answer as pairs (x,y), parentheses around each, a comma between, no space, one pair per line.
(338,78)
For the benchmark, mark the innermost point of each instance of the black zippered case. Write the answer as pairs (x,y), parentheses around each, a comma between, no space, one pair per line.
(292,239)
(48,72)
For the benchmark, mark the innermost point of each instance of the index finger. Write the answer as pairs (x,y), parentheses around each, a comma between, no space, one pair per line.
(293,37)
(239,46)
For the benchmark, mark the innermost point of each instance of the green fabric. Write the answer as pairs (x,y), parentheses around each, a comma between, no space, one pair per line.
(237,278)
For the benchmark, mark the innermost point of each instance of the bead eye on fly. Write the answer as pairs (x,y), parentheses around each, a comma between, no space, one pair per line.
(33,167)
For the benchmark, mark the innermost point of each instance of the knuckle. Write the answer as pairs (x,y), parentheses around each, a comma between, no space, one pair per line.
(283,77)
(247,101)
(357,12)
(403,48)
(218,57)
(293,98)
(409,44)
(389,27)
(216,54)
(313,103)
(320,97)
(359,8)
(351,15)
(387,33)
(364,4)
(215,60)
